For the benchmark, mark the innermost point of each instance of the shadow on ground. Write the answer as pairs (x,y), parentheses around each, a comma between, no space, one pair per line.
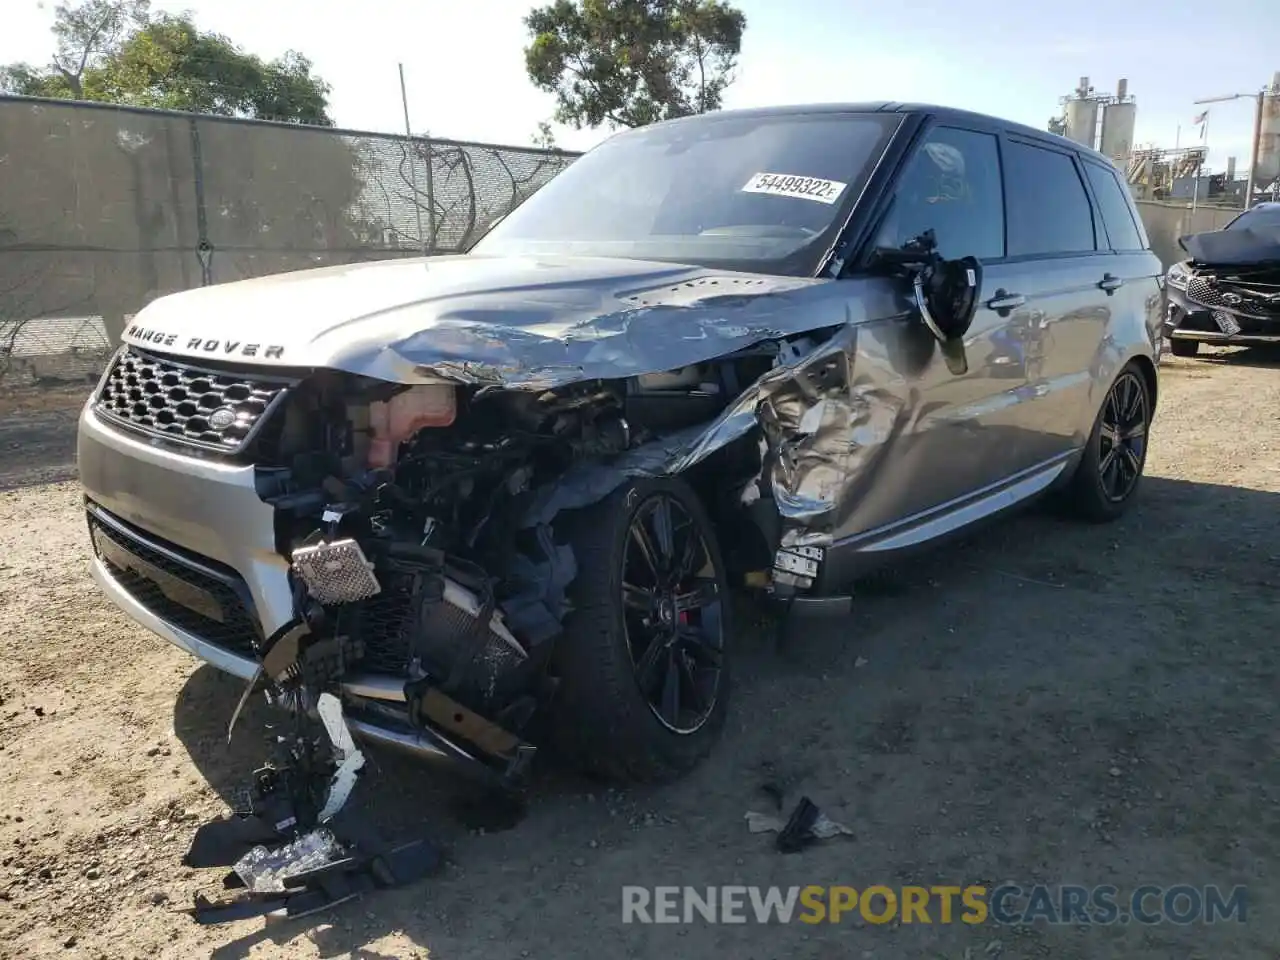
(1258,355)
(1046,702)
(38,436)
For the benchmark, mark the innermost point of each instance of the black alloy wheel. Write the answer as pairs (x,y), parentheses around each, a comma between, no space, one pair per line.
(1122,437)
(673,613)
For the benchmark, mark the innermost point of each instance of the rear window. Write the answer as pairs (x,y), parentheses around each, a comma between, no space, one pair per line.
(1117,215)
(1048,209)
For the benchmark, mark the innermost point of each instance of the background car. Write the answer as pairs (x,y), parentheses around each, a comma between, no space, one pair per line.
(1228,292)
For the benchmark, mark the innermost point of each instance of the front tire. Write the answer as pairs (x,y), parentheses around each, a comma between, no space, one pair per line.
(1182,347)
(643,661)
(1110,471)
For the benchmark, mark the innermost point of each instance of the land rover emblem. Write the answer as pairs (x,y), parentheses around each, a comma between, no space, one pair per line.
(1233,298)
(222,418)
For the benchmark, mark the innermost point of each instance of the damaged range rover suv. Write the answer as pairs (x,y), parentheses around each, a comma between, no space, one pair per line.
(1228,292)
(764,349)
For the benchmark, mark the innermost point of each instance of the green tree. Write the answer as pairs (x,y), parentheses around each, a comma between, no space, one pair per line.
(85,35)
(632,62)
(114,51)
(543,136)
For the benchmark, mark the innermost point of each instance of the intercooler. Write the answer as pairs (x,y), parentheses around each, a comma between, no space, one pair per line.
(401,617)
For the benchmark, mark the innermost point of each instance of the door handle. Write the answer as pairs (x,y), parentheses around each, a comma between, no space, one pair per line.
(1004,300)
(1110,283)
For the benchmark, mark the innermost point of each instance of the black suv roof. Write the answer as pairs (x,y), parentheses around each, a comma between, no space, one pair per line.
(943,114)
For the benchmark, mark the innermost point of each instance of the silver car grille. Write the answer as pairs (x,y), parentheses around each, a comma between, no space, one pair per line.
(189,405)
(1221,297)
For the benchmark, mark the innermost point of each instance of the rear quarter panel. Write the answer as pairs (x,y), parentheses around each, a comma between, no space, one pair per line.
(1134,330)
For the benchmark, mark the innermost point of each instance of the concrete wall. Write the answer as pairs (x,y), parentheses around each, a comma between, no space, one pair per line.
(1166,222)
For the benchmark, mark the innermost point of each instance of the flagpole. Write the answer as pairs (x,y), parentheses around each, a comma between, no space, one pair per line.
(1204,140)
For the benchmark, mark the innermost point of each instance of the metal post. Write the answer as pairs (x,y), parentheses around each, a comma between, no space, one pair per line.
(431,192)
(1195,184)
(1257,143)
(413,167)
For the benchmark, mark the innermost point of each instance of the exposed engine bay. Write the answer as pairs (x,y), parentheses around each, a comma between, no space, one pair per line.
(405,512)
(1252,290)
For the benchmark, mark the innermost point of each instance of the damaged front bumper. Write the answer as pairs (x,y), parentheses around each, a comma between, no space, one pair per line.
(1199,306)
(373,715)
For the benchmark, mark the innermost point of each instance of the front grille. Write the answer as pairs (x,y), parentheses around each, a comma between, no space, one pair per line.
(211,409)
(384,623)
(1202,291)
(187,592)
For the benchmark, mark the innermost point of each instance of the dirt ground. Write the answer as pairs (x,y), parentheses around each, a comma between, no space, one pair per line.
(1047,703)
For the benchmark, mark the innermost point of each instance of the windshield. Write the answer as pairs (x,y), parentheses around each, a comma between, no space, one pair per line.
(759,193)
(1256,219)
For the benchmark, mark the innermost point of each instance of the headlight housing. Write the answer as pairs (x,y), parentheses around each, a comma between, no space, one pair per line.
(1178,276)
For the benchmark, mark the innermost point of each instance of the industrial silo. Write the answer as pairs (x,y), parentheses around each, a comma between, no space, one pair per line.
(1118,117)
(1269,136)
(1082,115)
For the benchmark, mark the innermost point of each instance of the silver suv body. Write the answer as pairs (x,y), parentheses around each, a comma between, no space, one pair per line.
(760,348)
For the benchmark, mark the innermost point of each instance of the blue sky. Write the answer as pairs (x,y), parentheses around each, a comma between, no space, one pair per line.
(466,79)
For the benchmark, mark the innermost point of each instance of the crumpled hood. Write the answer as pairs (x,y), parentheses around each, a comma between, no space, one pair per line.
(530,322)
(1241,247)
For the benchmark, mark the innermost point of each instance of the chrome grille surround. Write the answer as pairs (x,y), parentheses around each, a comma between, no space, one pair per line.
(1219,296)
(189,405)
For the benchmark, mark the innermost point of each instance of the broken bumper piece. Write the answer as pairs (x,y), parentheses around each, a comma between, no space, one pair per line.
(291,851)
(313,888)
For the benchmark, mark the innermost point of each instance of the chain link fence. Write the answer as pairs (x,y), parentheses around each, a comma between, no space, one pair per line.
(104,208)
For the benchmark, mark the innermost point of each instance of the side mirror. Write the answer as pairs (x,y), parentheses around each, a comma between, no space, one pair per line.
(946,291)
(946,294)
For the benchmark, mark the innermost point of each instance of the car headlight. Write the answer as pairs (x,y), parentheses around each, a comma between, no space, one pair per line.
(1178,276)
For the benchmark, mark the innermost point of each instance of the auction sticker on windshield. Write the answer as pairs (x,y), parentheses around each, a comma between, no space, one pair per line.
(807,188)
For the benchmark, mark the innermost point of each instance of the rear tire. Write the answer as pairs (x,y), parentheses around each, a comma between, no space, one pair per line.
(644,672)
(1182,347)
(1110,470)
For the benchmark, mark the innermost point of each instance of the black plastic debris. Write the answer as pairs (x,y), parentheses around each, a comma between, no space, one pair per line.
(806,824)
(293,850)
(310,890)
(798,832)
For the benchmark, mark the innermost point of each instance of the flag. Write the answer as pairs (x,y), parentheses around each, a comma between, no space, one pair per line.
(1200,118)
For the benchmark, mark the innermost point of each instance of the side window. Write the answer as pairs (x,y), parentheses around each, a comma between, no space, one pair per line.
(1049,211)
(1114,207)
(952,186)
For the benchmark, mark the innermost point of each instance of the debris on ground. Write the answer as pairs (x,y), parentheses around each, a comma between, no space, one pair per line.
(806,824)
(291,850)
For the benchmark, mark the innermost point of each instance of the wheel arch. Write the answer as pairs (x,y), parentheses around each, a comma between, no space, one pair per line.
(719,481)
(1149,374)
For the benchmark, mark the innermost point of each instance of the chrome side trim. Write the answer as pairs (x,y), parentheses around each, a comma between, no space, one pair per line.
(418,744)
(372,687)
(950,517)
(1209,336)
